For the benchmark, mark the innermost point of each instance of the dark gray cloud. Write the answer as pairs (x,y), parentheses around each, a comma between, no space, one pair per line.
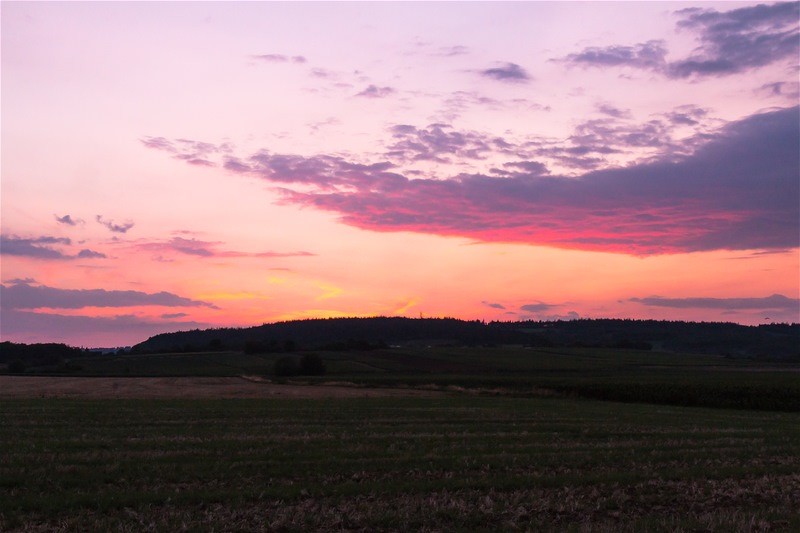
(493,305)
(538,307)
(776,301)
(90,254)
(507,72)
(373,91)
(68,220)
(27,296)
(114,227)
(729,42)
(740,39)
(37,248)
(174,315)
(42,248)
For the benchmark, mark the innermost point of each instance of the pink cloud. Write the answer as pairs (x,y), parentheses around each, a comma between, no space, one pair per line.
(739,190)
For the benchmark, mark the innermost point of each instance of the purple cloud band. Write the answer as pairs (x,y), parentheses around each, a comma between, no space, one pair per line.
(737,191)
(776,301)
(42,248)
(27,296)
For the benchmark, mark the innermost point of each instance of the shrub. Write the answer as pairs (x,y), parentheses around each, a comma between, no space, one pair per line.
(312,364)
(309,364)
(16,366)
(287,366)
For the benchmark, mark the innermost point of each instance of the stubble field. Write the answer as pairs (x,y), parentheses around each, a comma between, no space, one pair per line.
(447,463)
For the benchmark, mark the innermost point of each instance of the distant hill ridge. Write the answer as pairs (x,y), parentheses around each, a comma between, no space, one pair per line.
(774,341)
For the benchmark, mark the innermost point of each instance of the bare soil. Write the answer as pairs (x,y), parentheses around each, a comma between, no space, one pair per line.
(185,387)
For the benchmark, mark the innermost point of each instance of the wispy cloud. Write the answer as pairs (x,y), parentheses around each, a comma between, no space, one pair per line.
(113,226)
(278,58)
(493,305)
(650,55)
(193,152)
(68,220)
(72,329)
(209,249)
(451,51)
(373,91)
(437,142)
(170,316)
(28,296)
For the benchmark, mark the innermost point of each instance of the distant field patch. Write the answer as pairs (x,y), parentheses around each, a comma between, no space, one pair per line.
(183,387)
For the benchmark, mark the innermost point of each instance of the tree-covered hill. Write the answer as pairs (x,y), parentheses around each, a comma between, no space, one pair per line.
(773,341)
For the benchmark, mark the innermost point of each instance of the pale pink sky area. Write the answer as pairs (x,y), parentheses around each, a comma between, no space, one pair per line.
(170,166)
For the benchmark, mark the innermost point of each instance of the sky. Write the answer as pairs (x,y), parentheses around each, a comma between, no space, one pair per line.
(171,166)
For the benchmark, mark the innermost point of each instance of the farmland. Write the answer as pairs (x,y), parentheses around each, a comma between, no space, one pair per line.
(596,373)
(458,462)
(411,438)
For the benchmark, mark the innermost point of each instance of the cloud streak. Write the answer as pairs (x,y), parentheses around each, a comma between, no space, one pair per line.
(279,58)
(649,55)
(776,301)
(207,249)
(116,330)
(538,307)
(42,248)
(23,296)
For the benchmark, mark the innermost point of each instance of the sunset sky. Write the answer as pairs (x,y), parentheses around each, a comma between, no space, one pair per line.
(170,166)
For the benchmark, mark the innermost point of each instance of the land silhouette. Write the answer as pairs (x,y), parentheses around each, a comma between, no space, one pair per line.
(772,341)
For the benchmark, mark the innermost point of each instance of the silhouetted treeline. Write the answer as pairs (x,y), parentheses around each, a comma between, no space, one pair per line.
(18,357)
(773,341)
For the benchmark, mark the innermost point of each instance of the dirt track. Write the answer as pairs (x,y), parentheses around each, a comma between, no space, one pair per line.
(188,387)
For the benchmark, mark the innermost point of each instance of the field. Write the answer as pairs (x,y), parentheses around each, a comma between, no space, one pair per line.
(455,439)
(606,374)
(456,463)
